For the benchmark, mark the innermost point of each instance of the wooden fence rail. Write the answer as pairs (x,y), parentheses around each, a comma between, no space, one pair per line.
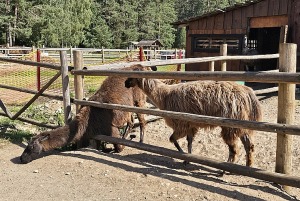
(31,63)
(285,78)
(264,77)
(230,167)
(63,70)
(185,61)
(217,121)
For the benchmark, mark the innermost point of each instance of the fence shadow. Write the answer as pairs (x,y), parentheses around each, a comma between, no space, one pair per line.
(169,169)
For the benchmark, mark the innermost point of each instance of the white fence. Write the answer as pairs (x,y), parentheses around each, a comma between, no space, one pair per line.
(94,55)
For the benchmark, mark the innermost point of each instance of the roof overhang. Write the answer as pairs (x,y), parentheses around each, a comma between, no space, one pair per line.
(184,23)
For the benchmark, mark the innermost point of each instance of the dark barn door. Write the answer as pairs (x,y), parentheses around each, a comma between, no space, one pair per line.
(267,40)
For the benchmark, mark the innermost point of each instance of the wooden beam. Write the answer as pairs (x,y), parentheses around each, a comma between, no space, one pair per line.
(286,109)
(264,77)
(29,91)
(78,79)
(184,61)
(65,86)
(229,167)
(269,21)
(31,63)
(217,121)
(223,52)
(33,122)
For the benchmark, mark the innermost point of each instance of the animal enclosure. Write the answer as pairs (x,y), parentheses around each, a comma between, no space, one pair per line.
(286,80)
(252,77)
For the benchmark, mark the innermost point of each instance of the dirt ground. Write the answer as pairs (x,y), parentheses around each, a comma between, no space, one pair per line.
(88,174)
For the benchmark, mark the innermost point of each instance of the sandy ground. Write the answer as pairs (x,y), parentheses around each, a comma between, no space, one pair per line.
(88,174)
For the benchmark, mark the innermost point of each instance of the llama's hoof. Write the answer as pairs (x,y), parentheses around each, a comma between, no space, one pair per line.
(221,174)
(132,136)
(185,163)
(107,150)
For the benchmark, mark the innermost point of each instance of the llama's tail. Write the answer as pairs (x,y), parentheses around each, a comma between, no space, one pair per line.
(255,107)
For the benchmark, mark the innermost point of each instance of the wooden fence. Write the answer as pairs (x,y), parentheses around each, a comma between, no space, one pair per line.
(98,55)
(287,78)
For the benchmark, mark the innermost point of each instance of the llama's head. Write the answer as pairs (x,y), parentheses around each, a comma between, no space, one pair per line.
(33,149)
(132,82)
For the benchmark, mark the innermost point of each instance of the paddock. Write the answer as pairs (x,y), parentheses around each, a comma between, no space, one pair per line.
(285,79)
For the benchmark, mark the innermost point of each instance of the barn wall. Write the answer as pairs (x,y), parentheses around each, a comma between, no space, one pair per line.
(236,21)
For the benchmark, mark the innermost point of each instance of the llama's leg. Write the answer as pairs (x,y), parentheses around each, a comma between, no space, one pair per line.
(128,128)
(233,152)
(142,121)
(174,141)
(117,147)
(249,148)
(229,137)
(190,142)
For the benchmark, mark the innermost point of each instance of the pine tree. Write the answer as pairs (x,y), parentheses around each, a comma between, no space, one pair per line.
(98,34)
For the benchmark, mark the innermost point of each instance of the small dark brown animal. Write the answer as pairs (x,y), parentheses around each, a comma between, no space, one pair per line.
(94,121)
(221,99)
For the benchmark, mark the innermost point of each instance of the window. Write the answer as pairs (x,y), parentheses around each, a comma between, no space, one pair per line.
(212,42)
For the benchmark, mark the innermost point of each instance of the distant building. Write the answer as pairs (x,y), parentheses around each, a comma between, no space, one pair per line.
(150,44)
(265,24)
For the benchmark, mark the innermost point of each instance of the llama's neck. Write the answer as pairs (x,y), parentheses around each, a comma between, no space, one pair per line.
(155,90)
(69,133)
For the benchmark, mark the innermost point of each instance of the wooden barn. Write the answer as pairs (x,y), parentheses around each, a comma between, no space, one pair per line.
(257,25)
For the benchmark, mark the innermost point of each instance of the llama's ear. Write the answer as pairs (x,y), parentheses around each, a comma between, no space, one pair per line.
(43,138)
(128,82)
(154,68)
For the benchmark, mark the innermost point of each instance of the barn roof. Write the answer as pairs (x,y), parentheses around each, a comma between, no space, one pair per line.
(218,11)
(150,43)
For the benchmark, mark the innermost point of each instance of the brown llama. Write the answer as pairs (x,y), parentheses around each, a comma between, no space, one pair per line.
(92,120)
(211,98)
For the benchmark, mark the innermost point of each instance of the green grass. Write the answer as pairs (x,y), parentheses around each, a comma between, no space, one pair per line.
(9,132)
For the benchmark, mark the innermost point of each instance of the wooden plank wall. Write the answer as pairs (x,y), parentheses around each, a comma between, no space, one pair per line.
(236,22)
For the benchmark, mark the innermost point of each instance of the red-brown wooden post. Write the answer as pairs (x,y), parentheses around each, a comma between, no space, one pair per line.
(141,53)
(38,70)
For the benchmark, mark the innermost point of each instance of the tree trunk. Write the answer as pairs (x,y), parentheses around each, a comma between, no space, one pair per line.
(15,22)
(8,26)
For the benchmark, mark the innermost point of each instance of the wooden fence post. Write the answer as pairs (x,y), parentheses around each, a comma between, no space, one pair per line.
(65,86)
(179,57)
(71,55)
(141,54)
(286,109)
(78,83)
(212,66)
(78,79)
(102,54)
(223,52)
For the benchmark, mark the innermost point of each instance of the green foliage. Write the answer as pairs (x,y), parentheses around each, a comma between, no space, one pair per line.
(97,23)
(9,132)
(191,8)
(44,114)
